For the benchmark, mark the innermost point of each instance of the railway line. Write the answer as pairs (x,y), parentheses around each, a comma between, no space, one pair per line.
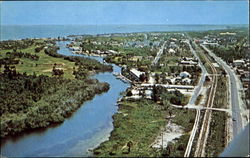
(202,139)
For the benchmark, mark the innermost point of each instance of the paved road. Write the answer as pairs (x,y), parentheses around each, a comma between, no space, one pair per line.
(194,97)
(237,124)
(155,61)
(197,90)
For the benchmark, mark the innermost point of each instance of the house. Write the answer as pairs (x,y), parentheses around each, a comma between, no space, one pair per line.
(178,78)
(171,50)
(148,94)
(111,52)
(186,81)
(238,62)
(75,48)
(135,58)
(227,33)
(240,71)
(188,62)
(173,45)
(135,92)
(184,74)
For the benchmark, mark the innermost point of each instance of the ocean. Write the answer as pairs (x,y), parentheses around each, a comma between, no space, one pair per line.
(13,32)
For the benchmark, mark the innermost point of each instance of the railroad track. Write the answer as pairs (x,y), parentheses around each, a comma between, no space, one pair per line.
(201,144)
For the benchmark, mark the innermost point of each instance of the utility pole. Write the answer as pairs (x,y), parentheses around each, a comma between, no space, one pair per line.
(162,141)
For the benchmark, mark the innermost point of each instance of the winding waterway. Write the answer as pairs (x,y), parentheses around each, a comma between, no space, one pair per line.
(90,125)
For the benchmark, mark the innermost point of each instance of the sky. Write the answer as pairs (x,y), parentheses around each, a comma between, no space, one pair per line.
(124,12)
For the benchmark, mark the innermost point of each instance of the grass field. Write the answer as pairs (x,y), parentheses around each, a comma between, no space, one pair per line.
(42,66)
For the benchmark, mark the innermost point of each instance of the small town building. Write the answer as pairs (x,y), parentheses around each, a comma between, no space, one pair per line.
(188,62)
(111,52)
(136,58)
(173,45)
(186,81)
(238,62)
(75,48)
(171,50)
(148,94)
(184,74)
(135,92)
(135,74)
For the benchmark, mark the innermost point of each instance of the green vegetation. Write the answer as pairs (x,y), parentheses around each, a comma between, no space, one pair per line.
(42,66)
(140,122)
(137,122)
(46,59)
(17,44)
(161,94)
(39,87)
(216,137)
(184,118)
(29,102)
(231,46)
(221,93)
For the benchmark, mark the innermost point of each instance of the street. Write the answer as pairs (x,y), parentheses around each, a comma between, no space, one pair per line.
(236,115)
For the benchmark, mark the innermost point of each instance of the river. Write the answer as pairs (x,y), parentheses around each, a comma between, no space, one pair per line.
(90,125)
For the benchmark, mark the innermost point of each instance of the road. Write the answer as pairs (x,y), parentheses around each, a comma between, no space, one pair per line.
(197,90)
(194,97)
(155,61)
(192,135)
(237,124)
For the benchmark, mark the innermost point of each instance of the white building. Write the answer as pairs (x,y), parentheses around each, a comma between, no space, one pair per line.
(186,81)
(135,73)
(188,62)
(171,50)
(184,74)
(238,62)
(148,94)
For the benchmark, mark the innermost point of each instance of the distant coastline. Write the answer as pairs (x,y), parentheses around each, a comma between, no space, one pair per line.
(14,32)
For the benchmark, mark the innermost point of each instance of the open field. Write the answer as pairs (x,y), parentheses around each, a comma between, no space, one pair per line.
(42,66)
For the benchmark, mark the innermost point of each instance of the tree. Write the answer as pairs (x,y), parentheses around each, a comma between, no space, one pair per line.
(142,77)
(129,145)
(129,93)
(157,78)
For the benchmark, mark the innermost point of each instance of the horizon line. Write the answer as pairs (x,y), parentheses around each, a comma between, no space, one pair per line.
(108,24)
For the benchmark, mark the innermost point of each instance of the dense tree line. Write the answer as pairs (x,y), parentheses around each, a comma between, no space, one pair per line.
(16,44)
(39,48)
(231,53)
(8,61)
(30,101)
(23,55)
